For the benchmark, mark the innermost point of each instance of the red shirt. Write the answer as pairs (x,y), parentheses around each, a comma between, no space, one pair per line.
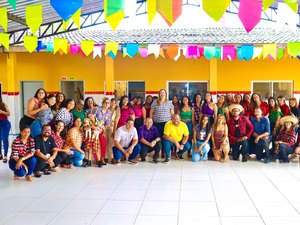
(245,126)
(59,142)
(264,108)
(285,109)
(21,149)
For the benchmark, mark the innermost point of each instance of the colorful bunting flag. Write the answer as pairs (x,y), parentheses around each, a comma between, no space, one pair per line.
(30,43)
(87,46)
(293,48)
(280,52)
(60,43)
(151,10)
(218,53)
(215,9)
(257,53)
(97,51)
(4,40)
(114,12)
(34,17)
(111,48)
(154,49)
(293,4)
(75,18)
(267,4)
(172,51)
(66,8)
(229,52)
(3,18)
(13,3)
(143,52)
(132,49)
(49,47)
(40,46)
(270,50)
(250,13)
(209,52)
(74,49)
(245,52)
(170,10)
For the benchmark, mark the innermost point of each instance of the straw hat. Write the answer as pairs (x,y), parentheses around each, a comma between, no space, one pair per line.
(291,119)
(235,106)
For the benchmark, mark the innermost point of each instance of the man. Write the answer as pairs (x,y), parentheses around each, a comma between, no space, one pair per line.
(150,140)
(284,107)
(126,143)
(79,111)
(261,135)
(176,134)
(229,98)
(45,152)
(240,130)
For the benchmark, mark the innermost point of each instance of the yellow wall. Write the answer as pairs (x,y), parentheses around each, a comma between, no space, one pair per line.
(231,76)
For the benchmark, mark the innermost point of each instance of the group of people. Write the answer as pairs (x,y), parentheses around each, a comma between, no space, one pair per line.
(56,131)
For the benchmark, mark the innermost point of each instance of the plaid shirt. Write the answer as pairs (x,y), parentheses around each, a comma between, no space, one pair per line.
(58,140)
(287,136)
(76,136)
(20,150)
(245,126)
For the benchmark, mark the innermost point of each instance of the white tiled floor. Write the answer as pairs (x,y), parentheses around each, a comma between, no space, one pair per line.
(181,193)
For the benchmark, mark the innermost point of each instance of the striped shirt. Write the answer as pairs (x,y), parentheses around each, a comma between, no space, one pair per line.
(76,136)
(58,140)
(287,136)
(19,149)
(65,116)
(162,112)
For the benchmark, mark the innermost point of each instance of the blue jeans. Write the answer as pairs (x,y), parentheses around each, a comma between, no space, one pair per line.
(30,163)
(36,128)
(196,156)
(135,152)
(167,145)
(239,148)
(284,151)
(77,157)
(4,132)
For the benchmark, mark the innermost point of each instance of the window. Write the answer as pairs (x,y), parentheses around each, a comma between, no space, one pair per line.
(72,89)
(182,88)
(130,88)
(267,89)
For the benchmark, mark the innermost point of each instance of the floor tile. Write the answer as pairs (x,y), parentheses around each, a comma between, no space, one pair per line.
(84,206)
(163,195)
(114,220)
(237,209)
(73,218)
(128,194)
(157,220)
(242,220)
(33,218)
(196,220)
(121,207)
(193,208)
(159,208)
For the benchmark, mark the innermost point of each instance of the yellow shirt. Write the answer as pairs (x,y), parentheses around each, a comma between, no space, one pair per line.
(176,132)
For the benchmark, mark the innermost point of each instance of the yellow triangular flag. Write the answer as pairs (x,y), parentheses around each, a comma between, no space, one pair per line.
(165,7)
(267,4)
(293,48)
(30,43)
(151,9)
(111,46)
(4,40)
(115,19)
(75,18)
(293,4)
(215,9)
(34,17)
(87,46)
(60,43)
(270,49)
(161,53)
(3,18)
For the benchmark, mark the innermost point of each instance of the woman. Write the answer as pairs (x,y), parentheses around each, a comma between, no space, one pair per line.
(286,139)
(274,117)
(294,107)
(222,106)
(44,117)
(60,102)
(247,105)
(90,106)
(220,140)
(201,136)
(197,104)
(33,107)
(22,160)
(111,128)
(176,104)
(74,142)
(4,129)
(65,115)
(147,108)
(256,102)
(238,99)
(126,111)
(209,109)
(138,112)
(63,155)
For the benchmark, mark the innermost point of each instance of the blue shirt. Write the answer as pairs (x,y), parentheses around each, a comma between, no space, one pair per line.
(261,126)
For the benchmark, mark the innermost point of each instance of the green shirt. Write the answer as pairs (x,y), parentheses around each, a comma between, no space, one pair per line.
(80,114)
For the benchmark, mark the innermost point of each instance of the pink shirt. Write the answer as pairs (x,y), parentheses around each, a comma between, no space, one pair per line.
(36,106)
(138,111)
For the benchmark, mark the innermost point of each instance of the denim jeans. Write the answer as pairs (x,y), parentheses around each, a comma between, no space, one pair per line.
(4,132)
(147,149)
(262,145)
(284,151)
(196,156)
(77,157)
(167,147)
(118,153)
(21,172)
(239,148)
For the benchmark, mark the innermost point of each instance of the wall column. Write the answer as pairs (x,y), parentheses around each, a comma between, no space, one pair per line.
(12,93)
(213,77)
(109,76)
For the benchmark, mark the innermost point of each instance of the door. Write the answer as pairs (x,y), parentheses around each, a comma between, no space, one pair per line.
(72,89)
(28,89)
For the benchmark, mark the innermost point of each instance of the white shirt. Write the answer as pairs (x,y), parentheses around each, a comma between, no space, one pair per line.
(125,137)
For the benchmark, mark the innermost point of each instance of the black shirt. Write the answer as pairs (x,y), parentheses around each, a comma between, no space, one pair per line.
(45,147)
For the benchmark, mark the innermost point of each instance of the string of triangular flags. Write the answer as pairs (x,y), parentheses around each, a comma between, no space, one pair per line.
(249,13)
(172,51)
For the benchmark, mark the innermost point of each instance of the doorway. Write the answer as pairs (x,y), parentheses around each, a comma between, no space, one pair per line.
(72,89)
(28,89)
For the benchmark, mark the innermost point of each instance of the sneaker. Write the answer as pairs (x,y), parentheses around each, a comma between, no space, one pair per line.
(46,172)
(133,161)
(37,174)
(143,160)
(155,161)
(99,164)
(267,161)
(244,158)
(167,160)
(179,156)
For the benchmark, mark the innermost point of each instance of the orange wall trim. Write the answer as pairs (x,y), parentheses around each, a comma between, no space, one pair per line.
(94,92)
(296,92)
(110,93)
(10,93)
